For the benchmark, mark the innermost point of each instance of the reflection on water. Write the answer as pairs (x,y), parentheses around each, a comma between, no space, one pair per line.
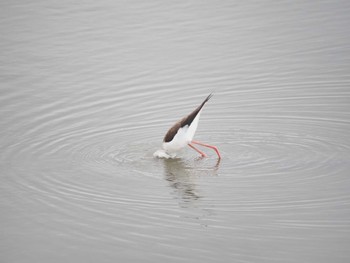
(182,177)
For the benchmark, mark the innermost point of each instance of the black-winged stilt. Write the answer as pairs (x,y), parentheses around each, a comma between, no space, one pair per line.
(181,134)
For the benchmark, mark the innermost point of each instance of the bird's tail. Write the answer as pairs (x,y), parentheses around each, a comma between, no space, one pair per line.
(206,99)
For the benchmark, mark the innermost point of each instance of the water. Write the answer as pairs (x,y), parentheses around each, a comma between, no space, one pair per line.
(88,91)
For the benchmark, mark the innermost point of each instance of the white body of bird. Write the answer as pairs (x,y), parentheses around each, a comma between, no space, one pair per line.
(182,138)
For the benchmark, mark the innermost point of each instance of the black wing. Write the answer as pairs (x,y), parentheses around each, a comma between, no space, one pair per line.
(184,121)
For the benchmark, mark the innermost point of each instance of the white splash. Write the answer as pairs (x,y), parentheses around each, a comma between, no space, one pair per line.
(163,154)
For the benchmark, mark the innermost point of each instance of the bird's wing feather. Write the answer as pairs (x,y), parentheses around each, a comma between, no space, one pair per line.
(184,121)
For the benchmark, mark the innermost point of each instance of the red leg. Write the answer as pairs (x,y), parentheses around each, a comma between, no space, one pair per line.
(194,148)
(209,146)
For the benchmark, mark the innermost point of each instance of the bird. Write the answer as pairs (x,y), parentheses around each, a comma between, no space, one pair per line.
(181,135)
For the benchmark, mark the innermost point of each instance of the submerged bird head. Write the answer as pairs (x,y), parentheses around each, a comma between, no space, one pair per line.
(161,153)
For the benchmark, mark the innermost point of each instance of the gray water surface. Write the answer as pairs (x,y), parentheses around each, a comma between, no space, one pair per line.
(88,90)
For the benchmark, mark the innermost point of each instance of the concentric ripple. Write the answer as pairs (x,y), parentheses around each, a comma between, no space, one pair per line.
(266,153)
(280,172)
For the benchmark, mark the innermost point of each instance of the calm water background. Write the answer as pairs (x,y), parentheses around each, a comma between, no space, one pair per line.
(89,89)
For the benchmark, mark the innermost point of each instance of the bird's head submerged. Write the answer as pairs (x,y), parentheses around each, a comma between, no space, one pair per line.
(161,153)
